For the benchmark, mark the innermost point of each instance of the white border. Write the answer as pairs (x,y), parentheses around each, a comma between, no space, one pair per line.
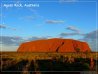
(1,34)
(57,2)
(51,1)
(96,33)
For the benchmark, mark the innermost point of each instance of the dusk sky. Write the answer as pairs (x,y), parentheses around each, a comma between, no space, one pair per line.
(75,19)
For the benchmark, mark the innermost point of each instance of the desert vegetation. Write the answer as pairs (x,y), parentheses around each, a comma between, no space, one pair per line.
(39,63)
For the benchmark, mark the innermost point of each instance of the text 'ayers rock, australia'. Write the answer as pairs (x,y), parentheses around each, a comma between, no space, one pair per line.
(54,45)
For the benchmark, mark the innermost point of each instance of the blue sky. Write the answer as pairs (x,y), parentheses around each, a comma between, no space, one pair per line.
(49,19)
(31,21)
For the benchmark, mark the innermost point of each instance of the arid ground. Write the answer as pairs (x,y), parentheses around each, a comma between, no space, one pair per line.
(43,63)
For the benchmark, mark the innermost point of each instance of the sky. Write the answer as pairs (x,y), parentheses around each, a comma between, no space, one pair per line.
(42,19)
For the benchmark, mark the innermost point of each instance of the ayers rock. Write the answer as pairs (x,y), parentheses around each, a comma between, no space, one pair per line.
(54,45)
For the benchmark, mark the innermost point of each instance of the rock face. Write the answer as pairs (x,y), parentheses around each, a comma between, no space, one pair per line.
(54,45)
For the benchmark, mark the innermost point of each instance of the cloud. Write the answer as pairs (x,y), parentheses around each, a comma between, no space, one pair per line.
(54,21)
(68,34)
(72,28)
(15,41)
(8,47)
(8,40)
(28,18)
(36,38)
(92,39)
(35,12)
(11,43)
(3,26)
(6,27)
(35,15)
(91,35)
